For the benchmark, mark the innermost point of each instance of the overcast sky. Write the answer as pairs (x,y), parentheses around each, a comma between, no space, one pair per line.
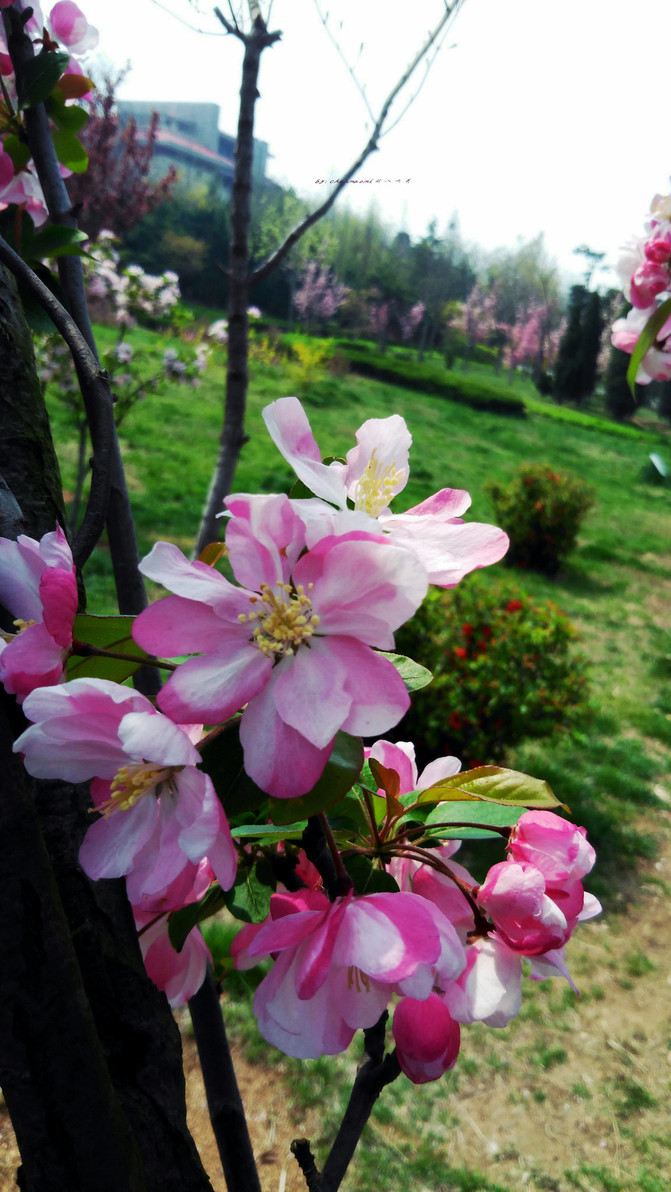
(537,116)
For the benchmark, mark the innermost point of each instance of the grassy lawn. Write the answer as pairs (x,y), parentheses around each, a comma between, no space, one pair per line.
(614,773)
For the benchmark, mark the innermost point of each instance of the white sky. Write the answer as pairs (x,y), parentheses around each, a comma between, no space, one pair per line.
(537,115)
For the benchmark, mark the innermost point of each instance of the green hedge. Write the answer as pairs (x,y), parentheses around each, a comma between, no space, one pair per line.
(428,378)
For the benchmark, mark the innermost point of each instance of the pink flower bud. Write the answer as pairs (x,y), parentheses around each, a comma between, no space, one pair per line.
(558,849)
(427,1038)
(524,915)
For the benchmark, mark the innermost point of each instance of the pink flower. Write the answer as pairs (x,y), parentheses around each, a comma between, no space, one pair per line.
(178,974)
(656,364)
(296,645)
(337,964)
(427,1038)
(558,849)
(376,471)
(39,587)
(159,813)
(69,26)
(525,916)
(647,281)
(400,757)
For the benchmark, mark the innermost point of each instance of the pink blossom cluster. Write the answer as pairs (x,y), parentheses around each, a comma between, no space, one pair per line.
(65,26)
(319,294)
(449,950)
(294,652)
(645,270)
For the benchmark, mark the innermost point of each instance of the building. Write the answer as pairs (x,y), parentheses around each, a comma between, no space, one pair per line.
(189,138)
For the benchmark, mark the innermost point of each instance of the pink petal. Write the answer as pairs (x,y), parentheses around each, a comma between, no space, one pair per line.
(379,696)
(214,687)
(59,596)
(111,844)
(309,692)
(264,537)
(277,758)
(290,431)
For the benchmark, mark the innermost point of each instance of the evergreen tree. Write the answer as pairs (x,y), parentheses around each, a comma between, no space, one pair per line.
(620,402)
(575,373)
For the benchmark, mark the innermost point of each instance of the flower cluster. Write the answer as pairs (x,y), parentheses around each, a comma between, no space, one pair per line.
(645,270)
(127,292)
(66,27)
(292,664)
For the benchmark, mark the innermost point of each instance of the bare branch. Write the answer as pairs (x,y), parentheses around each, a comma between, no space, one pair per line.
(187,24)
(350,69)
(314,217)
(96,396)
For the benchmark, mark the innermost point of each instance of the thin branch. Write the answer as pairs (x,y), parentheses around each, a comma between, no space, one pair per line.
(96,395)
(378,1071)
(348,67)
(187,24)
(300,1149)
(427,69)
(295,235)
(227,1112)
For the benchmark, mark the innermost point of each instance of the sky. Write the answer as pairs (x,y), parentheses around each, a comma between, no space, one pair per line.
(536,116)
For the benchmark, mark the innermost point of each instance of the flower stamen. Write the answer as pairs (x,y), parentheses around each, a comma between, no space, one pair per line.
(131,783)
(376,486)
(282,621)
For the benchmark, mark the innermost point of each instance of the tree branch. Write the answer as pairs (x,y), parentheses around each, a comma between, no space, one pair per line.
(295,235)
(224,1102)
(96,396)
(378,1071)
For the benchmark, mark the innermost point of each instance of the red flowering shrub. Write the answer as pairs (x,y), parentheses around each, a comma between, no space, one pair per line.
(503,671)
(541,511)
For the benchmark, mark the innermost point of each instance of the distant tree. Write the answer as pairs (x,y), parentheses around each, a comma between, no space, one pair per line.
(576,369)
(115,192)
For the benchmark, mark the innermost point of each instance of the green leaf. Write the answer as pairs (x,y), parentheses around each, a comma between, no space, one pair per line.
(183,921)
(222,758)
(17,150)
(645,341)
(268,833)
(106,633)
(493,784)
(414,676)
(499,815)
(367,878)
(57,241)
(68,116)
(250,897)
(69,150)
(341,772)
(37,77)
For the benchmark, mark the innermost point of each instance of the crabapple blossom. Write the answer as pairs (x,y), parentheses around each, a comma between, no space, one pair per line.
(426,1036)
(159,813)
(656,364)
(68,25)
(557,848)
(296,644)
(337,964)
(400,757)
(39,586)
(178,974)
(376,471)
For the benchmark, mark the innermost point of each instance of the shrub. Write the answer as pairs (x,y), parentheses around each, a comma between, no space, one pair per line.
(503,671)
(541,510)
(428,378)
(310,358)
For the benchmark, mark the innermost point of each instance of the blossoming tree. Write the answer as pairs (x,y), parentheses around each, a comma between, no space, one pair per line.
(256,781)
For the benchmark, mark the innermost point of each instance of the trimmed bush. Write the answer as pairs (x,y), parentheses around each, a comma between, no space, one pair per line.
(503,671)
(541,511)
(429,378)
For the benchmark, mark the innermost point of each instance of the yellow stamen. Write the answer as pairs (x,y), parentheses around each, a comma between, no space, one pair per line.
(376,486)
(132,782)
(282,621)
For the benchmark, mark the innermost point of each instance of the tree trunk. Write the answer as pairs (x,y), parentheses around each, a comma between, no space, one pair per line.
(233,435)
